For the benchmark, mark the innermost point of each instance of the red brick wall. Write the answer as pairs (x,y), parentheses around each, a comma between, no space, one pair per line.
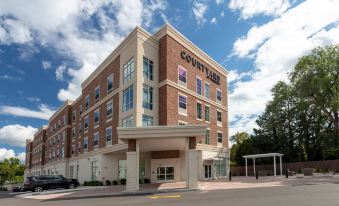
(169,59)
(113,68)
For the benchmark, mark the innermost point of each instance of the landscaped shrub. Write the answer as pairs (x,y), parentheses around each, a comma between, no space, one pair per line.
(108,182)
(114,182)
(123,181)
(93,183)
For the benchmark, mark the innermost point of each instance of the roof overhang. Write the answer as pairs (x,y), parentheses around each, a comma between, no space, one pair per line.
(161,132)
(263,155)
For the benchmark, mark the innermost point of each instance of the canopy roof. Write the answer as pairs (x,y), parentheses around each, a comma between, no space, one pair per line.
(263,155)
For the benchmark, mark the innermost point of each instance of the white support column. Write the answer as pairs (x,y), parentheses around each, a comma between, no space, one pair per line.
(191,167)
(275,166)
(132,176)
(280,165)
(254,166)
(246,166)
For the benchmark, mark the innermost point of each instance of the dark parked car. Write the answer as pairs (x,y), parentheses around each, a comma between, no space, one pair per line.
(44,182)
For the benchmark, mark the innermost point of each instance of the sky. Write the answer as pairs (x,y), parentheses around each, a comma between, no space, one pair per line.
(48,48)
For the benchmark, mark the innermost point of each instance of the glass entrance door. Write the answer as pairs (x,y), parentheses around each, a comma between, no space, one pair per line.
(208,171)
(165,173)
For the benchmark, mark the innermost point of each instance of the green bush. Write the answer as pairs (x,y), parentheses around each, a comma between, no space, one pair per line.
(114,182)
(93,183)
(123,181)
(108,182)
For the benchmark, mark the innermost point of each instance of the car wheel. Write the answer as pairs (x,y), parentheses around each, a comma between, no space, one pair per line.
(38,189)
(71,186)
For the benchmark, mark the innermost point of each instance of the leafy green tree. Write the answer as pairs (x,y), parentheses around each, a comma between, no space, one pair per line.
(316,79)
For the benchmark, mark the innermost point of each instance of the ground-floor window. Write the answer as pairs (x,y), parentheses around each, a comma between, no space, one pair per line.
(208,171)
(71,169)
(122,169)
(220,167)
(165,173)
(95,170)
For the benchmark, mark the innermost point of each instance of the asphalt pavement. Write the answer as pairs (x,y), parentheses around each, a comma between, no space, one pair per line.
(301,195)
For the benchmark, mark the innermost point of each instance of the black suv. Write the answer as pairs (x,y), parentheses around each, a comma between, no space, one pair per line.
(44,182)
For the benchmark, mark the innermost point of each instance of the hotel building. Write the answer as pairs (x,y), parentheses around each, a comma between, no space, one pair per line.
(155,108)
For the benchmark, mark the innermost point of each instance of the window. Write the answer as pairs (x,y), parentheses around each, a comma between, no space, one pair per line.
(59,124)
(71,171)
(109,84)
(128,121)
(198,85)
(80,110)
(58,138)
(87,102)
(94,170)
(128,70)
(97,94)
(96,139)
(62,151)
(109,109)
(147,102)
(96,117)
(182,104)
(207,113)
(73,133)
(127,103)
(85,143)
(199,111)
(219,137)
(182,76)
(207,137)
(73,149)
(79,147)
(147,120)
(86,122)
(207,90)
(219,96)
(64,120)
(109,134)
(148,69)
(79,128)
(219,118)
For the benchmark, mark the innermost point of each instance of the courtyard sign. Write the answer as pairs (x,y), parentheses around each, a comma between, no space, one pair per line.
(214,77)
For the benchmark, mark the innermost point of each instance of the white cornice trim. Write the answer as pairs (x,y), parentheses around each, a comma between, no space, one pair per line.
(211,148)
(161,132)
(171,31)
(181,88)
(60,109)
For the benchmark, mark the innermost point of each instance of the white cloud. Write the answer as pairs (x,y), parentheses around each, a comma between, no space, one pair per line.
(46,64)
(59,25)
(33,99)
(199,10)
(222,14)
(13,31)
(16,135)
(44,112)
(9,77)
(214,21)
(251,8)
(275,47)
(9,153)
(59,72)
(218,2)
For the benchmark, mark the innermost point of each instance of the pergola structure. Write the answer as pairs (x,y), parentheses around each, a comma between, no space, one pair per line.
(264,155)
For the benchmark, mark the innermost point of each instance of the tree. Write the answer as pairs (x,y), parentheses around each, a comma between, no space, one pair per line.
(10,168)
(316,79)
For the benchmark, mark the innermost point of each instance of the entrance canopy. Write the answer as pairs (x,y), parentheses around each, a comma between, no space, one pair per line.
(262,156)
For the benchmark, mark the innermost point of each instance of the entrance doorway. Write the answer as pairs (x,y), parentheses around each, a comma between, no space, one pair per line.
(165,173)
(208,171)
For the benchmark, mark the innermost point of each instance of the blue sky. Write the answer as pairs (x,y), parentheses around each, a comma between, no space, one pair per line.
(48,48)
